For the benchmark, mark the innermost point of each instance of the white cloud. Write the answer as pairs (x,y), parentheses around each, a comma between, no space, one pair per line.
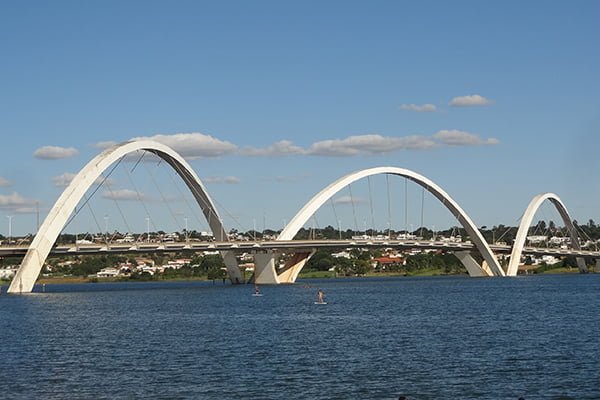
(459,138)
(4,182)
(369,144)
(63,180)
(105,144)
(14,201)
(194,145)
(419,108)
(230,180)
(281,148)
(469,101)
(348,200)
(55,152)
(26,210)
(123,194)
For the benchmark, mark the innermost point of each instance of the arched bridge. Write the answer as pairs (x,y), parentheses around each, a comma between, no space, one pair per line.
(65,205)
(266,252)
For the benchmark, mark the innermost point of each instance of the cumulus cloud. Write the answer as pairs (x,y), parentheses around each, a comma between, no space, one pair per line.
(14,201)
(26,210)
(123,194)
(460,138)
(194,145)
(348,200)
(469,101)
(55,152)
(281,148)
(63,180)
(369,144)
(105,144)
(419,108)
(4,182)
(230,180)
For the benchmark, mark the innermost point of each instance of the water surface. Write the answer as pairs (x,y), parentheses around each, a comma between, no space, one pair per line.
(426,338)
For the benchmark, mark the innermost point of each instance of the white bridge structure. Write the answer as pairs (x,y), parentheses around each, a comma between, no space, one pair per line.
(266,254)
(58,216)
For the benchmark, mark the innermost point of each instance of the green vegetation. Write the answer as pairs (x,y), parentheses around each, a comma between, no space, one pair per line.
(362,262)
(84,268)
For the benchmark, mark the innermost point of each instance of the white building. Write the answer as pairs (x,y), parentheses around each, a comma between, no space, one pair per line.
(108,272)
(7,273)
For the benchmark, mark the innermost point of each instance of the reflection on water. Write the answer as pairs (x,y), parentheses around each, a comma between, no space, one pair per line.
(426,338)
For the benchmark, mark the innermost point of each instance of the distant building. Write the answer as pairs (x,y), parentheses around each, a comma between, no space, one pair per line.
(383,262)
(536,239)
(108,272)
(7,273)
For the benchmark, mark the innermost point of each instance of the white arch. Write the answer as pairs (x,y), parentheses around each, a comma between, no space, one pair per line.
(65,205)
(317,201)
(527,219)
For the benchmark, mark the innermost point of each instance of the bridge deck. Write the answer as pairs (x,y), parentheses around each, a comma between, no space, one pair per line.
(285,245)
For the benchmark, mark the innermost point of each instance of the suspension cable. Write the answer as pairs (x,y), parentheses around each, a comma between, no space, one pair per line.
(206,205)
(389,204)
(371,206)
(76,211)
(422,210)
(179,226)
(139,197)
(353,208)
(185,199)
(406,205)
(109,187)
(93,214)
(335,214)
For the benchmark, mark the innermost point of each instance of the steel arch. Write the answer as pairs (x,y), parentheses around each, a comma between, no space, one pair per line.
(48,232)
(318,200)
(527,219)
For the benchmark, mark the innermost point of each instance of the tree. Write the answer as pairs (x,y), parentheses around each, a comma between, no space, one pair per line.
(361,267)
(343,265)
(320,261)
(211,262)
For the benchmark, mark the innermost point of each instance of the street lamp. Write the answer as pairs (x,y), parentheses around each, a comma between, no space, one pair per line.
(148,229)
(186,229)
(340,228)
(9,228)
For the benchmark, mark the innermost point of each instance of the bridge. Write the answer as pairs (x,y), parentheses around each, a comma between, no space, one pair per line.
(288,246)
(266,252)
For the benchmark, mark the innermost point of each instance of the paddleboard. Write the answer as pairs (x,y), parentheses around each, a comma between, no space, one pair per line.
(257,294)
(320,302)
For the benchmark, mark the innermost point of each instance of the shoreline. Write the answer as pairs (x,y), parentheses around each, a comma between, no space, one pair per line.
(62,280)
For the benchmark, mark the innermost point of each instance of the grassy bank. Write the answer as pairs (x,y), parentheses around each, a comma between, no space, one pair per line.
(330,274)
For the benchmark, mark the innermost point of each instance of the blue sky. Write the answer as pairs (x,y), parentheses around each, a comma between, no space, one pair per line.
(271,101)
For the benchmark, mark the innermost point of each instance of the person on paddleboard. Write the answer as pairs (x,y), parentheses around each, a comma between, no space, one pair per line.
(320,296)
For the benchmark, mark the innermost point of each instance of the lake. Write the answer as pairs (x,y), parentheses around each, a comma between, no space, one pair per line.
(425,338)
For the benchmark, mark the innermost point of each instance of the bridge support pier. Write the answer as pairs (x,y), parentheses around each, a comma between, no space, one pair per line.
(233,269)
(597,267)
(582,266)
(264,269)
(472,266)
(293,266)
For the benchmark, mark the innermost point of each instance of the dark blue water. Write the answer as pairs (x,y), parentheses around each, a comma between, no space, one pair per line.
(426,338)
